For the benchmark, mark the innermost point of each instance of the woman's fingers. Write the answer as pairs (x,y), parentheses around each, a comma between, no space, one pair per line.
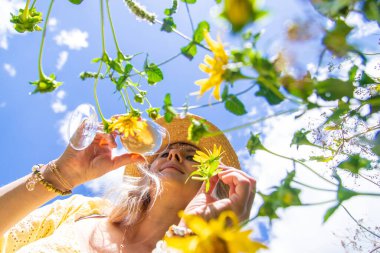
(124,159)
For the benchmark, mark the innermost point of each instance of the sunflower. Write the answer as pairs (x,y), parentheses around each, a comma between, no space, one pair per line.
(127,125)
(208,165)
(221,235)
(213,66)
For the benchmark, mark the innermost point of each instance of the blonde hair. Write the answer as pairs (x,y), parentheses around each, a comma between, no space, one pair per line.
(132,199)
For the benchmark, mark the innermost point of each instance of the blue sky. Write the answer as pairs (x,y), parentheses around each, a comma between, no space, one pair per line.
(33,126)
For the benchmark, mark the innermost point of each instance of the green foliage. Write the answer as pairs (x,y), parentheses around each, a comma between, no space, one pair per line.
(168,25)
(343,194)
(283,196)
(27,20)
(354,163)
(189,1)
(232,103)
(335,40)
(172,10)
(254,144)
(299,138)
(46,84)
(190,50)
(153,112)
(302,88)
(153,72)
(169,112)
(197,130)
(76,1)
(333,89)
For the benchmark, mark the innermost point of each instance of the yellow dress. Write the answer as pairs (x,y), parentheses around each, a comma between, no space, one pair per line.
(49,229)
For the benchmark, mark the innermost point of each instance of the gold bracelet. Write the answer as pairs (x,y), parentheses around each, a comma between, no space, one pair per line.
(37,177)
(53,167)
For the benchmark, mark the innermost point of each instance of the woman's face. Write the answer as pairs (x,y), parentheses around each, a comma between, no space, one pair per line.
(174,166)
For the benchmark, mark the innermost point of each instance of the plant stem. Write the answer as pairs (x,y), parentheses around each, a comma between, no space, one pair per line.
(214,103)
(360,225)
(369,180)
(185,36)
(252,122)
(128,100)
(26,11)
(112,28)
(168,60)
(368,194)
(102,27)
(40,70)
(96,95)
(318,203)
(34,2)
(191,20)
(124,101)
(313,187)
(303,164)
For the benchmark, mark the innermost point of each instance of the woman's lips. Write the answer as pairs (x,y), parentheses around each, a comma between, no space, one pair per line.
(172,167)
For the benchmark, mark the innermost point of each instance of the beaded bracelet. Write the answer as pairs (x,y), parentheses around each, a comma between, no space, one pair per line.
(178,231)
(37,177)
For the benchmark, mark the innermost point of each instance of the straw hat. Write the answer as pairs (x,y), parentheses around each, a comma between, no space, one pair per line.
(178,131)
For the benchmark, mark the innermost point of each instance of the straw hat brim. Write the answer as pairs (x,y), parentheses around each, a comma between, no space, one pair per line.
(178,132)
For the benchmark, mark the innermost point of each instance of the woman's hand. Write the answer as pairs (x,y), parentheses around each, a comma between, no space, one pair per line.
(78,167)
(240,197)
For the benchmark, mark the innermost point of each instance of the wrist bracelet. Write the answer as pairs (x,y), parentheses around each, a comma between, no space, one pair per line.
(37,177)
(52,166)
(177,231)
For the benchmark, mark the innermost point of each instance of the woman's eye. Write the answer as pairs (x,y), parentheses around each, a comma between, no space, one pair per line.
(190,158)
(164,154)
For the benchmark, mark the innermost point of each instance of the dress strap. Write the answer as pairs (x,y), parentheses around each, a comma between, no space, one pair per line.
(90,216)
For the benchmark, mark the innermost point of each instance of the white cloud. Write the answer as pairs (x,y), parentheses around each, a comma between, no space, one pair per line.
(57,104)
(52,23)
(6,27)
(10,69)
(300,229)
(62,58)
(3,104)
(63,128)
(75,39)
(363,28)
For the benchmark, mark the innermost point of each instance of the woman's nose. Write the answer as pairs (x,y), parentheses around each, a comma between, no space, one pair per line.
(175,154)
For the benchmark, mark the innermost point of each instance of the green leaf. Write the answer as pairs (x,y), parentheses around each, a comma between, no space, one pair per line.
(234,105)
(365,80)
(372,10)
(335,40)
(272,98)
(343,193)
(198,35)
(225,93)
(127,69)
(333,89)
(322,159)
(189,51)
(168,25)
(302,88)
(173,9)
(169,112)
(254,144)
(330,212)
(153,72)
(76,1)
(189,1)
(354,163)
(299,138)
(333,8)
(197,130)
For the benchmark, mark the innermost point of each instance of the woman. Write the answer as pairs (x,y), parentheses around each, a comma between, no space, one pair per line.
(143,209)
